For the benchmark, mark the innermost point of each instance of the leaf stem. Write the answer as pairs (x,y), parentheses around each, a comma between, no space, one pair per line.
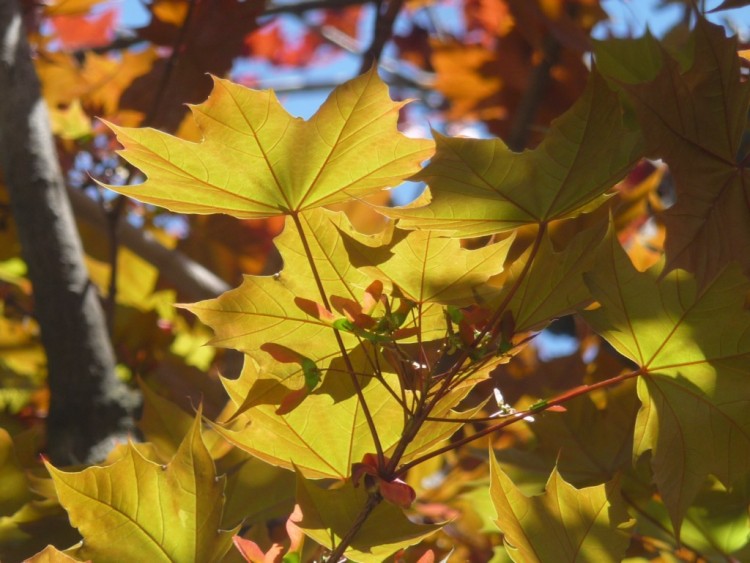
(425,405)
(372,501)
(507,421)
(339,340)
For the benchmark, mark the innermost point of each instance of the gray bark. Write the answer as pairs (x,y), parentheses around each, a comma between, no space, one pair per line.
(89,406)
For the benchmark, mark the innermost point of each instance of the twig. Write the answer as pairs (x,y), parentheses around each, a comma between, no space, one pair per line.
(383,29)
(301,7)
(372,501)
(507,421)
(540,79)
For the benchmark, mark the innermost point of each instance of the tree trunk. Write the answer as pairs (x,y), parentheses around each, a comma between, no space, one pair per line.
(89,406)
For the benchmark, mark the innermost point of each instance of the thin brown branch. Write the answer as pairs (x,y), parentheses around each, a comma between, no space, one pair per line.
(387,10)
(276,8)
(538,84)
(507,421)
(372,502)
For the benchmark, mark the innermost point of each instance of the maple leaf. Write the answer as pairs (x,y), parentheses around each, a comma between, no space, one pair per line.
(692,346)
(325,434)
(106,78)
(481,187)
(264,308)
(15,491)
(328,432)
(209,42)
(167,513)
(249,164)
(588,442)
(327,515)
(693,113)
(563,524)
(69,7)
(428,268)
(553,285)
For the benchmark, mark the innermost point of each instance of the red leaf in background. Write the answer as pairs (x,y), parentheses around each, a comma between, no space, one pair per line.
(85,31)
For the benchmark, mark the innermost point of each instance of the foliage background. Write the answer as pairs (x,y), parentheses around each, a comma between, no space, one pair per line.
(480,68)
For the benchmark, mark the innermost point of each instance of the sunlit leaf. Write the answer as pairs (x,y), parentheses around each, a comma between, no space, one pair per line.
(553,285)
(161,513)
(327,516)
(243,166)
(327,433)
(428,268)
(51,554)
(480,187)
(563,523)
(265,308)
(692,345)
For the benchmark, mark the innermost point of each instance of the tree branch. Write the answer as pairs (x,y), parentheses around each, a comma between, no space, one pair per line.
(193,281)
(89,407)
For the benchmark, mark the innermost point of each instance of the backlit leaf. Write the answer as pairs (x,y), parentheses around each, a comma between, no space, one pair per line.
(694,116)
(481,187)
(426,267)
(693,346)
(160,513)
(553,285)
(258,161)
(562,524)
(265,308)
(327,515)
(324,435)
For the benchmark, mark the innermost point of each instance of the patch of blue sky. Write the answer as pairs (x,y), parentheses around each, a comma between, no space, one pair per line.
(551,345)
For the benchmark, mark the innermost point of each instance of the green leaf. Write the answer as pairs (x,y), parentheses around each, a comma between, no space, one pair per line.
(693,346)
(163,423)
(428,268)
(263,308)
(255,491)
(562,524)
(480,187)
(327,432)
(553,285)
(588,443)
(327,515)
(694,115)
(258,161)
(160,513)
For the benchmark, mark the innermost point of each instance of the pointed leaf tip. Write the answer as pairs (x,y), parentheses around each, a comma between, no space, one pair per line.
(248,164)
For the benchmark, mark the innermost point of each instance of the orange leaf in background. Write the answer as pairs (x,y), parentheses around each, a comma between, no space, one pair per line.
(86,31)
(69,7)
(171,12)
